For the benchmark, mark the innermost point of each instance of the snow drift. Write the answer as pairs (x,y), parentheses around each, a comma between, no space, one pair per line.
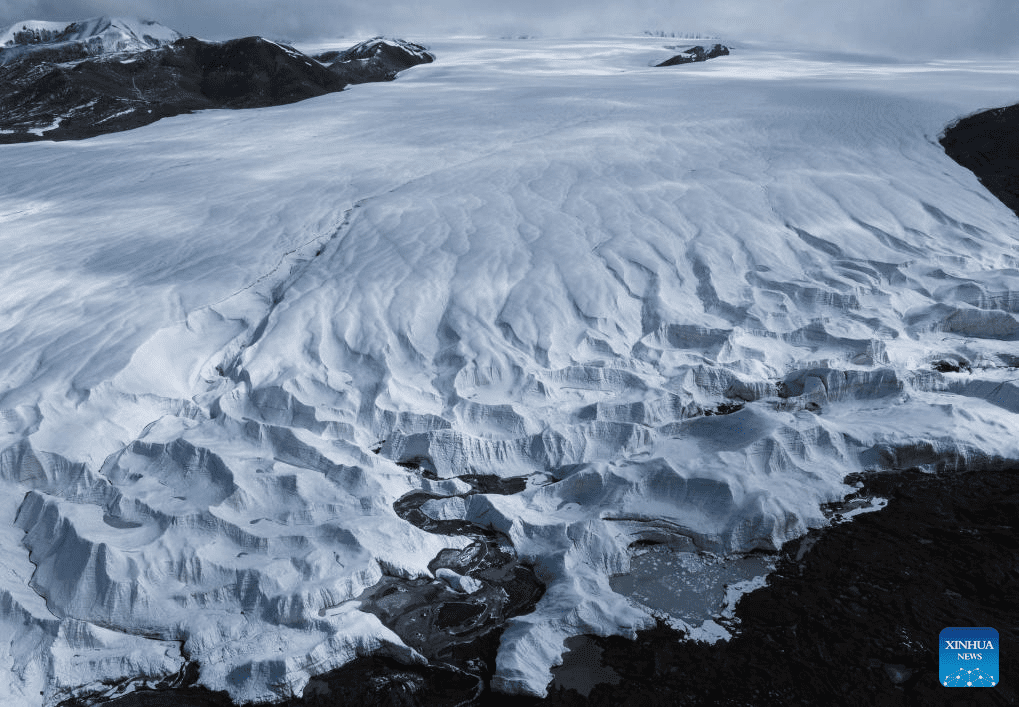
(684,303)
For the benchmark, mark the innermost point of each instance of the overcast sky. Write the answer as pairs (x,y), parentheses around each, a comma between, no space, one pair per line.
(920,28)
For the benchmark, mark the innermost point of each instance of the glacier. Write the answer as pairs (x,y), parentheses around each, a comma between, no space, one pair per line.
(683,302)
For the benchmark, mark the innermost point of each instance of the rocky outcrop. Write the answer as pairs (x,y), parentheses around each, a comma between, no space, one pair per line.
(45,97)
(694,54)
(61,42)
(377,59)
(987,144)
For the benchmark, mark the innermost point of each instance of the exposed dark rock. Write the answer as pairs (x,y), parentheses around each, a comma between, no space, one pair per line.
(177,691)
(724,409)
(44,100)
(433,616)
(698,53)
(947,366)
(852,614)
(458,632)
(382,682)
(489,483)
(988,144)
(376,59)
(52,42)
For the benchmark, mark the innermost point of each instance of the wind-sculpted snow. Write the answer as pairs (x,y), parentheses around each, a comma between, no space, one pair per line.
(683,304)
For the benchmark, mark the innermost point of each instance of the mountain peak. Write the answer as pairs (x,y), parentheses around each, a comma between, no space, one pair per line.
(68,41)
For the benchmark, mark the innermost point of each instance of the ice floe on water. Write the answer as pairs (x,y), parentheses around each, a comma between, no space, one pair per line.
(683,302)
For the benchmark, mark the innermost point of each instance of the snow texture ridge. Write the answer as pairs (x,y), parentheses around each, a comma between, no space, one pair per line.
(684,303)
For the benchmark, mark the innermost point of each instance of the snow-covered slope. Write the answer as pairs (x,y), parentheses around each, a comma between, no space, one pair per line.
(528,258)
(57,41)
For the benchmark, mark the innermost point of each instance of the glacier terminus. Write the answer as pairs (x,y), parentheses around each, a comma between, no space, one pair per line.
(465,335)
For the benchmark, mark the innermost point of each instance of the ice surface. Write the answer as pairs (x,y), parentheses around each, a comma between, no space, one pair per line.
(527,258)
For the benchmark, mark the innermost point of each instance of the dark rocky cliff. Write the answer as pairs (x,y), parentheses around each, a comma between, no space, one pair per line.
(988,144)
(42,99)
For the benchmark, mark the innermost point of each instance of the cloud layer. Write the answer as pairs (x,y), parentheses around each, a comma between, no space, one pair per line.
(912,28)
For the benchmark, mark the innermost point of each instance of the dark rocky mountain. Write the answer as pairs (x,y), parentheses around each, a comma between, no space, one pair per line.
(376,59)
(987,144)
(698,53)
(43,99)
(61,41)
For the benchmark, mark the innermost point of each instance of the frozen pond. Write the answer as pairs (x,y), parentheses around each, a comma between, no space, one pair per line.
(689,586)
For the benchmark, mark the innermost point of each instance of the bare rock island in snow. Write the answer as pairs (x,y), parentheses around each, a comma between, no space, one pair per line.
(375,59)
(695,54)
(106,75)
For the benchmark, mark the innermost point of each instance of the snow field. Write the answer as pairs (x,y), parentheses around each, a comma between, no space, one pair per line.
(534,258)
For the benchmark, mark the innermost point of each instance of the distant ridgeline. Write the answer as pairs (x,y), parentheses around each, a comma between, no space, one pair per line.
(68,82)
(988,145)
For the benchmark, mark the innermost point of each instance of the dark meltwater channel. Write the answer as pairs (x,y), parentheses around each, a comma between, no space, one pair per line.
(475,591)
(455,620)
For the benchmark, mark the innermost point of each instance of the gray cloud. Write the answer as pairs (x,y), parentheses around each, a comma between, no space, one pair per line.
(910,28)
